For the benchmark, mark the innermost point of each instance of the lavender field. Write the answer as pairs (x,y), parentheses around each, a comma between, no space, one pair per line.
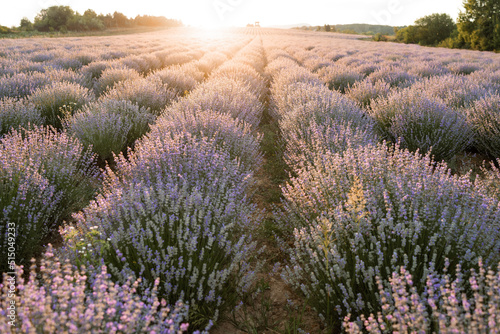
(248,181)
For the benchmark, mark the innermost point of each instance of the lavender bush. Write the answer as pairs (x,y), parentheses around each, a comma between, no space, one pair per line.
(287,76)
(181,79)
(448,305)
(303,146)
(394,77)
(372,210)
(463,67)
(427,69)
(17,113)
(61,298)
(136,63)
(484,118)
(58,100)
(244,73)
(95,69)
(339,78)
(229,135)
(210,61)
(316,119)
(110,76)
(109,126)
(23,84)
(224,95)
(45,176)
(456,91)
(422,123)
(488,181)
(148,93)
(175,210)
(364,92)
(305,102)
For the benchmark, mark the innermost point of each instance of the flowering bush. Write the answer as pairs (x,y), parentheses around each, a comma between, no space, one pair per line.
(316,119)
(228,134)
(285,82)
(336,136)
(17,113)
(44,177)
(427,69)
(422,123)
(449,305)
(177,58)
(364,92)
(175,210)
(61,298)
(484,118)
(110,76)
(394,77)
(463,67)
(244,73)
(109,126)
(177,79)
(224,95)
(95,69)
(58,100)
(146,93)
(456,91)
(23,84)
(488,181)
(136,63)
(104,132)
(210,61)
(372,210)
(339,78)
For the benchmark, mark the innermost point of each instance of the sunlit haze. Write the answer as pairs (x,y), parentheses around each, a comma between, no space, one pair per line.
(217,13)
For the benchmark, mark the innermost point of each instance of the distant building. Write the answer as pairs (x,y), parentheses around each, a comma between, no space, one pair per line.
(257,24)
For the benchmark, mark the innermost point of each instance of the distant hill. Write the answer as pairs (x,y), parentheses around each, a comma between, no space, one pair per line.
(366,29)
(355,28)
(290,26)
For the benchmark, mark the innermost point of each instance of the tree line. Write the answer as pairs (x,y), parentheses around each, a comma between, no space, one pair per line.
(477,28)
(63,19)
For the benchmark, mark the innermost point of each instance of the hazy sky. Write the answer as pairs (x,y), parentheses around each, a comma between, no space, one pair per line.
(241,12)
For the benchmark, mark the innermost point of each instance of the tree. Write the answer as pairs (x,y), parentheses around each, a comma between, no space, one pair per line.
(4,30)
(479,25)
(157,21)
(53,18)
(407,34)
(120,20)
(26,24)
(434,28)
(90,14)
(328,28)
(107,20)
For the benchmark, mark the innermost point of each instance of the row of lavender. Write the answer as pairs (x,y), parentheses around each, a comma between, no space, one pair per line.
(383,239)
(179,208)
(45,93)
(192,186)
(57,156)
(423,97)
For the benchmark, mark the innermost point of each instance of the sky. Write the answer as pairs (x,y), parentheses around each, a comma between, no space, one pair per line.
(216,13)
